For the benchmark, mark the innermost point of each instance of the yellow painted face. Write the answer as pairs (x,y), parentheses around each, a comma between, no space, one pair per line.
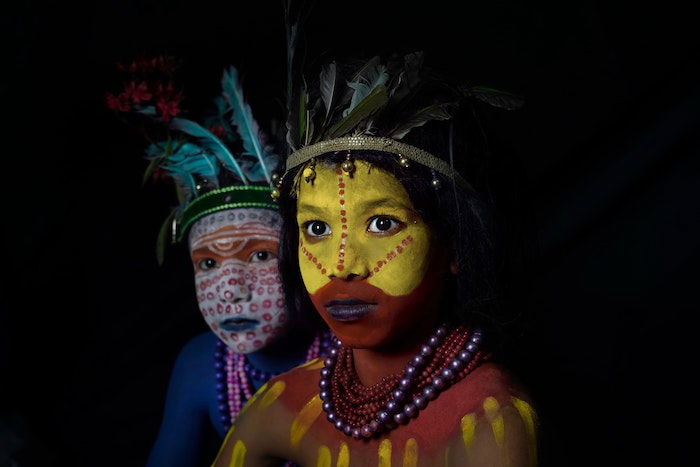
(362,225)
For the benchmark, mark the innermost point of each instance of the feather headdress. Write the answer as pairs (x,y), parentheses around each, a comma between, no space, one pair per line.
(373,106)
(221,163)
(381,99)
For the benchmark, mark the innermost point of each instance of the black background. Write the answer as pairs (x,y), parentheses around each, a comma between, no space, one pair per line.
(598,187)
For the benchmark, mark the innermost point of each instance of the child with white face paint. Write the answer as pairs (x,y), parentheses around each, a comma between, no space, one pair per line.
(234,254)
(240,296)
(223,171)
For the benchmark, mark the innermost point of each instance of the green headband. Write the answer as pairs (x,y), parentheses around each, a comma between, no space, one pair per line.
(231,197)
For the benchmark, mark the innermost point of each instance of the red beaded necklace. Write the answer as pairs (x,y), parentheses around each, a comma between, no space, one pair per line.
(361,411)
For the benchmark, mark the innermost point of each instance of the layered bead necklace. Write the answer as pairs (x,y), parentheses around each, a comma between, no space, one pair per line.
(363,411)
(234,376)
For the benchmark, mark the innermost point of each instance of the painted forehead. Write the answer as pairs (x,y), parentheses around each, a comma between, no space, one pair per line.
(367,184)
(243,222)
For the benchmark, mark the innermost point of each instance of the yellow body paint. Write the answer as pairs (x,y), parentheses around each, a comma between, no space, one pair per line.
(238,456)
(316,366)
(223,445)
(252,400)
(492,411)
(310,362)
(271,396)
(468,425)
(343,456)
(410,453)
(393,262)
(324,457)
(529,417)
(384,453)
(302,422)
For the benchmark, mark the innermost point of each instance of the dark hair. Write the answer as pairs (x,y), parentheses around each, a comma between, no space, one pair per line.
(460,218)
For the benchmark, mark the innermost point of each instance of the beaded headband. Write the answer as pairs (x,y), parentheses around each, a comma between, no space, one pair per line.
(231,197)
(372,107)
(381,144)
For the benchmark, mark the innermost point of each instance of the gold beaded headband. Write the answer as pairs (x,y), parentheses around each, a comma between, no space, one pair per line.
(405,153)
(380,98)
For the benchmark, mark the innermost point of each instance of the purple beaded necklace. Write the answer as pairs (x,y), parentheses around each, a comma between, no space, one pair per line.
(400,408)
(234,376)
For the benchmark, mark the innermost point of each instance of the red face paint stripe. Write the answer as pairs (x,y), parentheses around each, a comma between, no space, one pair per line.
(312,258)
(343,220)
(392,254)
(250,229)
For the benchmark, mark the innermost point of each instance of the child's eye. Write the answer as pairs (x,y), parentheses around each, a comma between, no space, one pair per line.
(318,229)
(261,256)
(207,264)
(382,224)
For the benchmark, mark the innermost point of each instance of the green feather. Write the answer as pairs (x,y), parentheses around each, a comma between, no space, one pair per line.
(151,167)
(419,118)
(162,239)
(329,85)
(368,106)
(303,100)
(494,97)
(155,162)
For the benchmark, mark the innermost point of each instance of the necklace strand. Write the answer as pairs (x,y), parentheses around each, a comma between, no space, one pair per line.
(363,411)
(235,376)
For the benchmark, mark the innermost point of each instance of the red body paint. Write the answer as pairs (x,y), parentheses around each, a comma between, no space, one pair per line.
(393,316)
(435,427)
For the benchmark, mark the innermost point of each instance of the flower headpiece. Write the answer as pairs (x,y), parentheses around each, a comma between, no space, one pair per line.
(222,163)
(375,109)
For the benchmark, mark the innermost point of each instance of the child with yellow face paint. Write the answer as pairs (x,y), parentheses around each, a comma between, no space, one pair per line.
(389,244)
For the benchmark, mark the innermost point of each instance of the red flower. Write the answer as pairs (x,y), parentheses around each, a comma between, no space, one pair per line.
(218,131)
(166,91)
(168,101)
(138,93)
(118,103)
(147,66)
(168,108)
(166,64)
(132,68)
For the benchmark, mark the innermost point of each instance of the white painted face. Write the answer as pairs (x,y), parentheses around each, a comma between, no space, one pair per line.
(234,253)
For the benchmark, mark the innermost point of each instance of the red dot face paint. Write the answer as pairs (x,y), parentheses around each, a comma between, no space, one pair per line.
(234,254)
(351,225)
(380,271)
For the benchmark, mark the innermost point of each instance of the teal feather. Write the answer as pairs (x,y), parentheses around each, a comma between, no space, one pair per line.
(242,118)
(201,164)
(258,171)
(184,179)
(365,84)
(155,150)
(149,111)
(209,141)
(190,160)
(182,151)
